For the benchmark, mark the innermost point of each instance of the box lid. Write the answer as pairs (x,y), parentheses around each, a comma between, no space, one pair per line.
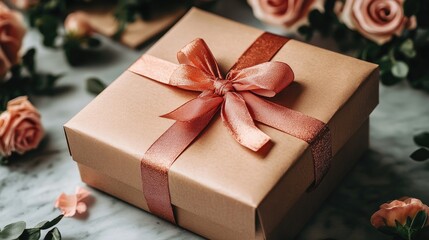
(217,178)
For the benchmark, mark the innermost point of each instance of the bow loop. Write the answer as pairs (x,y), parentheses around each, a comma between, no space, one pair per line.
(265,79)
(198,54)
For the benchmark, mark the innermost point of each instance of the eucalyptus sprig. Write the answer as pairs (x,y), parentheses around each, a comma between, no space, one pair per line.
(19,230)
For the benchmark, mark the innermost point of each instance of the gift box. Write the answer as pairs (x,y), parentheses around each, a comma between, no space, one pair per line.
(222,182)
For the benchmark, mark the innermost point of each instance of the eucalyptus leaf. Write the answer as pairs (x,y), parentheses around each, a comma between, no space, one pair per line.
(422,139)
(95,85)
(407,48)
(420,154)
(12,231)
(53,234)
(48,224)
(400,69)
(30,234)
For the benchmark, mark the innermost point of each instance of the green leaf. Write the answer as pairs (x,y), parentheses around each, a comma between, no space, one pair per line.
(407,48)
(94,42)
(420,154)
(422,139)
(402,230)
(12,231)
(28,60)
(48,224)
(53,234)
(411,7)
(95,85)
(388,79)
(385,64)
(48,26)
(419,221)
(30,234)
(399,69)
(306,31)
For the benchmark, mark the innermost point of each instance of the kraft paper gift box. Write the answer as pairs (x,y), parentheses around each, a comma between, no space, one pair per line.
(218,188)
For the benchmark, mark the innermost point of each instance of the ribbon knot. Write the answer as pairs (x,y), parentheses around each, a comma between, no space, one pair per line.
(199,71)
(222,86)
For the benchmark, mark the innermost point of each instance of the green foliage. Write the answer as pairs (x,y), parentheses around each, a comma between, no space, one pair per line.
(48,16)
(25,80)
(18,231)
(409,230)
(403,57)
(422,153)
(95,85)
(12,231)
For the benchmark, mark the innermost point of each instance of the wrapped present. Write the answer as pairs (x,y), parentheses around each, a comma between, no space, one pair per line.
(227,131)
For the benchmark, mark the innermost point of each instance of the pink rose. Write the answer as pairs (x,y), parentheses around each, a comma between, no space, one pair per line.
(25,4)
(397,210)
(20,127)
(11,33)
(289,13)
(377,20)
(77,23)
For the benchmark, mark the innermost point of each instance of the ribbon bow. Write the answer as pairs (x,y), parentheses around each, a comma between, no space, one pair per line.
(199,71)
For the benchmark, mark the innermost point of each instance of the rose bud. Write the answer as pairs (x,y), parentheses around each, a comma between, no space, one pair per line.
(78,25)
(398,211)
(20,127)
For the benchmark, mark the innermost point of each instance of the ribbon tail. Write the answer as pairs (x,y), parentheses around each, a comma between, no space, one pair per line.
(240,124)
(154,68)
(158,159)
(313,131)
(195,108)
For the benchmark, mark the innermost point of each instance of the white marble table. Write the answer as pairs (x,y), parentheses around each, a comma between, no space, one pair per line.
(29,186)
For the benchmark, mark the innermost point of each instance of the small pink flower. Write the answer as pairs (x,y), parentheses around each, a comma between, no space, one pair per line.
(71,204)
(25,4)
(288,13)
(377,20)
(398,210)
(77,23)
(20,127)
(12,32)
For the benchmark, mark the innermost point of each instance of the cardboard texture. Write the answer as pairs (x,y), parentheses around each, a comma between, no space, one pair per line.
(221,190)
(136,33)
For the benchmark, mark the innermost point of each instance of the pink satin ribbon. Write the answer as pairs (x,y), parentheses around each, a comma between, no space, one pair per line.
(238,96)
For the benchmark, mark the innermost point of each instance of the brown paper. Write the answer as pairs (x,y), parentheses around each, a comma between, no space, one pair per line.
(217,179)
(291,223)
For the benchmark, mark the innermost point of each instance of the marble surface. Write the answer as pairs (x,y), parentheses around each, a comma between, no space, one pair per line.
(29,186)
